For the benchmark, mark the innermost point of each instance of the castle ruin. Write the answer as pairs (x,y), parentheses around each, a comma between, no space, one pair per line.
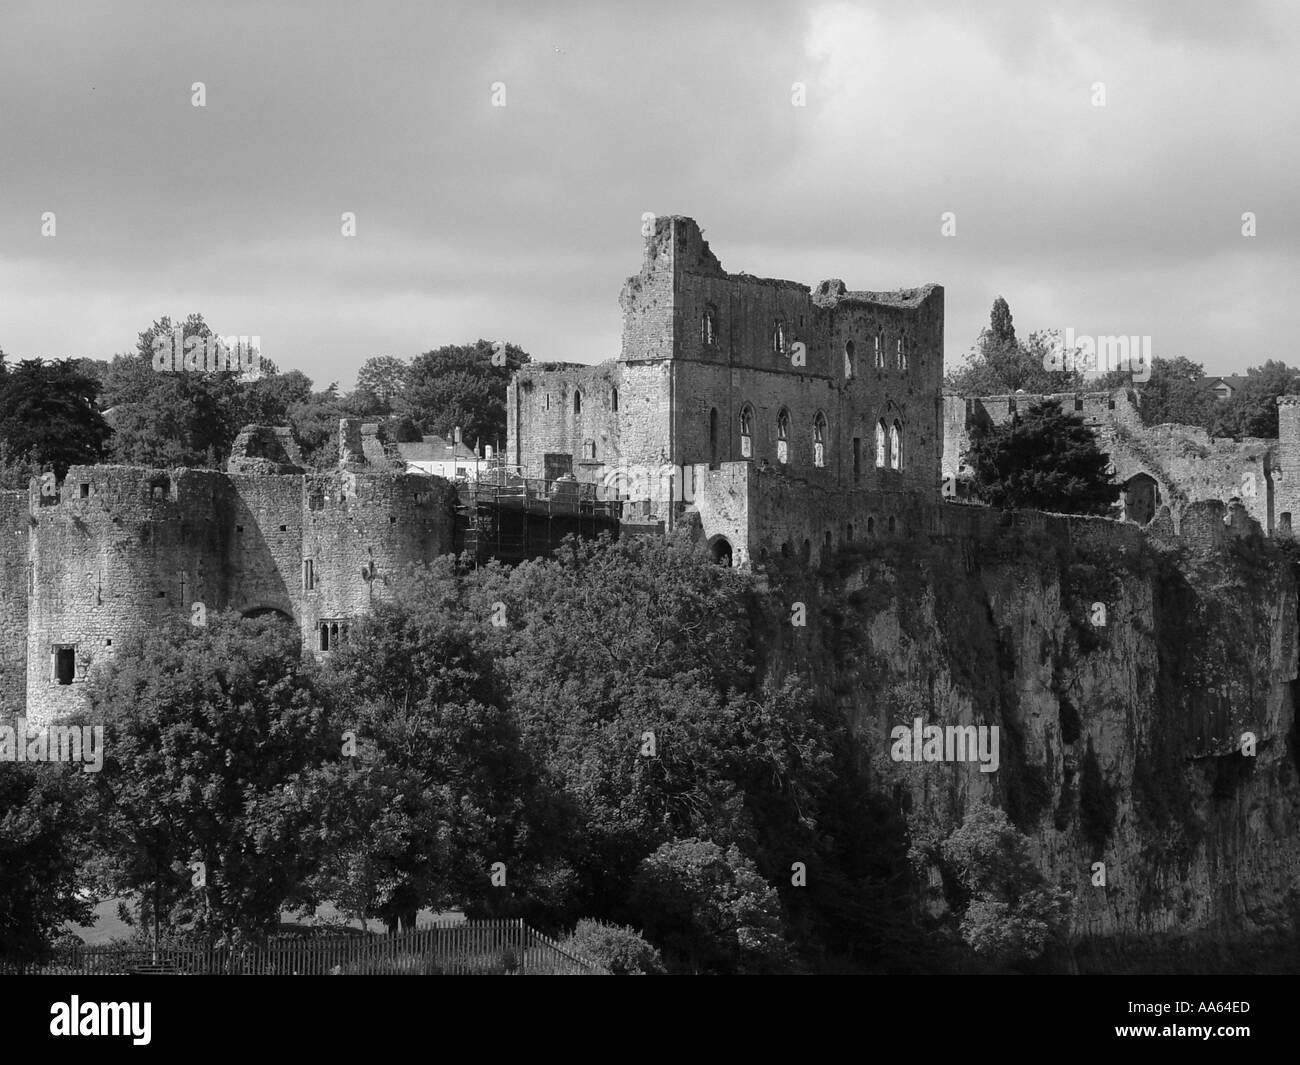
(771,418)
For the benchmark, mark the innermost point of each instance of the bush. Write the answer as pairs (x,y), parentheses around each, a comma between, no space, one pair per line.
(1012,914)
(619,948)
(711,908)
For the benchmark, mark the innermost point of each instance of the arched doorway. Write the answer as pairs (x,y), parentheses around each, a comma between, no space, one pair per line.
(720,550)
(1141,497)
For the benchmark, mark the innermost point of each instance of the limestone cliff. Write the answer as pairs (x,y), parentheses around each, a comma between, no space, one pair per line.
(1120,735)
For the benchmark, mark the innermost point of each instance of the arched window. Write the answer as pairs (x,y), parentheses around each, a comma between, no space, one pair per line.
(849,365)
(903,344)
(848,533)
(895,446)
(709,326)
(613,399)
(746,432)
(783,436)
(819,439)
(880,445)
(880,351)
(871,526)
(577,403)
(713,436)
(778,335)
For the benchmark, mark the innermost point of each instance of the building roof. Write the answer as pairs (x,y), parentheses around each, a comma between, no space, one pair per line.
(1233,381)
(434,449)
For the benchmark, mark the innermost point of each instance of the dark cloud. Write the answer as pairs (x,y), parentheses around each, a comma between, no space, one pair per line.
(523,221)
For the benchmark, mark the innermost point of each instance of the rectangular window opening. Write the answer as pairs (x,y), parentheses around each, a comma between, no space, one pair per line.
(65,664)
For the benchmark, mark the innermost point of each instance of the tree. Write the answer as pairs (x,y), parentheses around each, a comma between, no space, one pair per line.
(47,411)
(1174,394)
(41,841)
(214,739)
(17,471)
(1011,914)
(447,788)
(266,400)
(1000,364)
(1002,334)
(459,385)
(382,379)
(629,665)
(710,908)
(315,424)
(1042,459)
(191,417)
(1252,409)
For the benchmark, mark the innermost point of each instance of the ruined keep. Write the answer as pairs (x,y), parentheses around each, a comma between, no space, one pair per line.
(734,393)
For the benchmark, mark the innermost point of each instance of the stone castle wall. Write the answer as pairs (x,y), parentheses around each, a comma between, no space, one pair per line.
(575,412)
(766,514)
(701,345)
(123,548)
(14,580)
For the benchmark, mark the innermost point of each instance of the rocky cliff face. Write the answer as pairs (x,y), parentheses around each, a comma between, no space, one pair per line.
(1142,691)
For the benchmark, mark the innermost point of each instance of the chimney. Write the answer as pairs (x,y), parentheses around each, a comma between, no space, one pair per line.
(455,438)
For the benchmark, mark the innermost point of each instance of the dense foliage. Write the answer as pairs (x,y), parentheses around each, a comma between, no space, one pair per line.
(1042,459)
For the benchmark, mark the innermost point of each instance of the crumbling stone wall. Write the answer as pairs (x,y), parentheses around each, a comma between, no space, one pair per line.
(701,345)
(1286,466)
(14,577)
(265,449)
(1186,463)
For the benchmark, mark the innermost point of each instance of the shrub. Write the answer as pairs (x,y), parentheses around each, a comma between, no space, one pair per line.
(711,908)
(1012,914)
(619,948)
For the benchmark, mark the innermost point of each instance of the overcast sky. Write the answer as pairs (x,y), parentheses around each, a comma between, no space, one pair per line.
(521,222)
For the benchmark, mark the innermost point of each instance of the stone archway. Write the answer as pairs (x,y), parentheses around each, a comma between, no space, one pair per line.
(720,550)
(1141,497)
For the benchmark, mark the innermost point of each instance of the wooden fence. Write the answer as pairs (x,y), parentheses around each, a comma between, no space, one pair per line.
(464,948)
